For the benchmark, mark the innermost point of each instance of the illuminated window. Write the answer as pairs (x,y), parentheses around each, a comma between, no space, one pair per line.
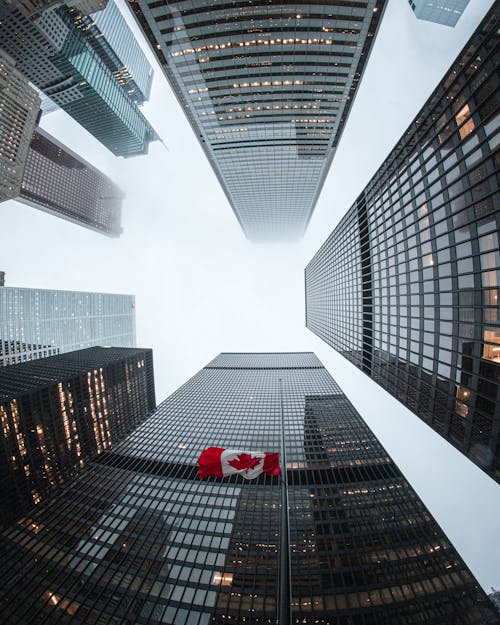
(491,347)
(460,117)
(222,579)
(490,301)
(462,395)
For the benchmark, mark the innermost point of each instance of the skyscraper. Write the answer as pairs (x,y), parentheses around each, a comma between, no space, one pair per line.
(406,286)
(34,8)
(35,323)
(60,182)
(267,89)
(139,538)
(19,107)
(118,46)
(495,598)
(58,413)
(54,53)
(446,12)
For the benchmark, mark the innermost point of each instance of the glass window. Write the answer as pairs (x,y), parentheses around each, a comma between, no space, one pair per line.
(460,117)
(491,345)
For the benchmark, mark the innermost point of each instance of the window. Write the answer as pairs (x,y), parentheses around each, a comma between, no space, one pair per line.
(460,117)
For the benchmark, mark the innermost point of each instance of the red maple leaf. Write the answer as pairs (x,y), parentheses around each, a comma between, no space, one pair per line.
(244,461)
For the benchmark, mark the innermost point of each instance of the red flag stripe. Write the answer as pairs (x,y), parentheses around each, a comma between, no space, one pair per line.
(209,462)
(214,462)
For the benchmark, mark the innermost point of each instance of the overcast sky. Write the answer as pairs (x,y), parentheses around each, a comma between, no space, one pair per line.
(202,288)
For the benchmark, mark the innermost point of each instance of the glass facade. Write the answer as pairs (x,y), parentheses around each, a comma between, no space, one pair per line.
(34,8)
(139,538)
(267,87)
(53,53)
(35,323)
(406,287)
(115,41)
(446,12)
(62,183)
(19,107)
(58,413)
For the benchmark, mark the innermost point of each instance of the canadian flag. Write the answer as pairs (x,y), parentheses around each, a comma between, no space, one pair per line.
(219,462)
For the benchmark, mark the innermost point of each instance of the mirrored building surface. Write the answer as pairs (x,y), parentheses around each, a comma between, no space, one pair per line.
(267,88)
(58,413)
(114,40)
(53,52)
(35,323)
(407,285)
(139,538)
(446,12)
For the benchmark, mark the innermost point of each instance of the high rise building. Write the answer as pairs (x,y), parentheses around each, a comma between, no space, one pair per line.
(19,107)
(60,182)
(446,12)
(53,52)
(139,538)
(58,413)
(406,286)
(47,106)
(495,598)
(35,323)
(35,8)
(267,89)
(110,34)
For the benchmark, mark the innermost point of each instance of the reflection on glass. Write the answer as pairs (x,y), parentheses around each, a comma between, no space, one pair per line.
(462,395)
(468,127)
(490,302)
(491,349)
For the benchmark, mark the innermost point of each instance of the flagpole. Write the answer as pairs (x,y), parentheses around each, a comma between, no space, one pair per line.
(284,609)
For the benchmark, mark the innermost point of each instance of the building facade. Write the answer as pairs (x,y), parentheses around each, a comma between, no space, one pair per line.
(35,323)
(139,538)
(58,413)
(267,88)
(53,52)
(60,182)
(495,598)
(446,12)
(35,8)
(406,286)
(19,108)
(117,45)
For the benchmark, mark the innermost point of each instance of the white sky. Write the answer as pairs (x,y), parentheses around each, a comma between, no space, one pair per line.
(202,288)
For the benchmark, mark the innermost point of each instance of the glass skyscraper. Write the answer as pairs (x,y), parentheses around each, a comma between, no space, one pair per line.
(19,109)
(139,538)
(446,12)
(267,88)
(60,182)
(118,46)
(406,286)
(35,323)
(58,413)
(53,53)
